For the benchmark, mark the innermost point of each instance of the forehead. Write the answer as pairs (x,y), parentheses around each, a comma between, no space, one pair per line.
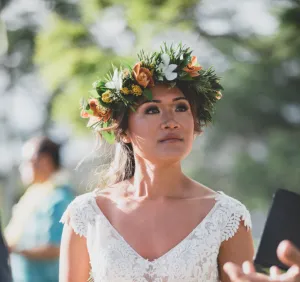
(165,93)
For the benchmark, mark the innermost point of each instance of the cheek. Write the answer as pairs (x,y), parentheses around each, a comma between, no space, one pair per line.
(187,122)
(188,126)
(141,126)
(142,132)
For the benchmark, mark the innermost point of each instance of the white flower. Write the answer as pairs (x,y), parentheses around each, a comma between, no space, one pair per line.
(116,82)
(166,68)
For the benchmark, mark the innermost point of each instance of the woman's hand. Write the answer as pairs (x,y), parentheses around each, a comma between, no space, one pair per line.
(286,252)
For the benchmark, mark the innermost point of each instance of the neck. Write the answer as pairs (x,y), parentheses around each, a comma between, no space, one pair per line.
(43,177)
(40,179)
(158,181)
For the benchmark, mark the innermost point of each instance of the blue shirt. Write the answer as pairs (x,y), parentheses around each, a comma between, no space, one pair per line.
(43,228)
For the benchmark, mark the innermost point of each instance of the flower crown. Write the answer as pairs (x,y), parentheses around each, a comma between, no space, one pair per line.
(126,86)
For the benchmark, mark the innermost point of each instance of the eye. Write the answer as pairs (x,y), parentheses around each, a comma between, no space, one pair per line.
(152,110)
(181,108)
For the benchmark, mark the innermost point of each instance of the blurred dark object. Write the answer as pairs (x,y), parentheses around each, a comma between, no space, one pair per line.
(5,271)
(283,223)
(291,15)
(3,3)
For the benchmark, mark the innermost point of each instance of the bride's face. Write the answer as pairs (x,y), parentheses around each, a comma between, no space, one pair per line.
(162,129)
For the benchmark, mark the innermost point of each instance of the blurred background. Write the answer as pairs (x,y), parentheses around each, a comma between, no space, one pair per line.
(52,51)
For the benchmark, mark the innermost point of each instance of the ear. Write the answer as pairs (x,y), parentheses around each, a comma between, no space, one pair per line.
(198,133)
(125,138)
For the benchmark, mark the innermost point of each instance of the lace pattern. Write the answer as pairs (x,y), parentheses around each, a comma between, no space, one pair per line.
(193,259)
(80,214)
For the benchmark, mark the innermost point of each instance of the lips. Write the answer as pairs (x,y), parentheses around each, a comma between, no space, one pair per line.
(171,138)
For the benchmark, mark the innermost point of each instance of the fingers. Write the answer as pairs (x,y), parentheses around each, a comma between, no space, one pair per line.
(236,273)
(274,272)
(247,272)
(233,271)
(248,267)
(292,275)
(288,253)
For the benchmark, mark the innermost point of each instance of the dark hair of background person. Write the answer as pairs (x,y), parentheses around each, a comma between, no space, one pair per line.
(49,147)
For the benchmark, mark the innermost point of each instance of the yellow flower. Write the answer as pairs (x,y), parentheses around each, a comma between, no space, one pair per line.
(219,95)
(125,91)
(126,73)
(106,97)
(137,90)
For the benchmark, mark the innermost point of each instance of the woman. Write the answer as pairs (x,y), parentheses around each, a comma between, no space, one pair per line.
(152,222)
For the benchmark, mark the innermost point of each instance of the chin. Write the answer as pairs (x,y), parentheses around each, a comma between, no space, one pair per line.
(172,155)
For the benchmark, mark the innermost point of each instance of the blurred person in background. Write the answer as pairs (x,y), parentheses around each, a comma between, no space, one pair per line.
(34,233)
(287,253)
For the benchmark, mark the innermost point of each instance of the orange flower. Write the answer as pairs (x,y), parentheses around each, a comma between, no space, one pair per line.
(191,67)
(99,113)
(142,75)
(84,114)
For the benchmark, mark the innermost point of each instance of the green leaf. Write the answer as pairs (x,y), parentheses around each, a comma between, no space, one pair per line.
(148,94)
(108,136)
(132,108)
(185,76)
(186,60)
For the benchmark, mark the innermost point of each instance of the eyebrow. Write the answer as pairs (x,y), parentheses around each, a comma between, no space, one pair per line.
(159,101)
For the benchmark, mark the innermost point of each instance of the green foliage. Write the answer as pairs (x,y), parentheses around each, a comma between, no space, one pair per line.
(258,93)
(148,94)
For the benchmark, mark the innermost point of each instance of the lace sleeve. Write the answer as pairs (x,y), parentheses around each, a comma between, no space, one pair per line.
(236,212)
(79,214)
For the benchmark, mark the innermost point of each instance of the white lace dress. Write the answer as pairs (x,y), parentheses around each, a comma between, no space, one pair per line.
(194,259)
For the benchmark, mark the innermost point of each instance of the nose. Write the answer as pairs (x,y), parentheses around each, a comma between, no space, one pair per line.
(169,122)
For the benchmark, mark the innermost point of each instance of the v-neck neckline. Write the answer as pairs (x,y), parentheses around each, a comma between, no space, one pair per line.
(99,211)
